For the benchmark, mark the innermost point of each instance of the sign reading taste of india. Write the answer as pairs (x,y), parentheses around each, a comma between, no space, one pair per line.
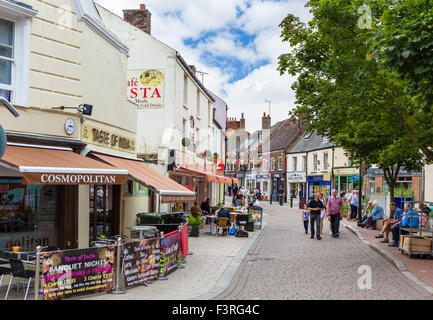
(105,138)
(146,88)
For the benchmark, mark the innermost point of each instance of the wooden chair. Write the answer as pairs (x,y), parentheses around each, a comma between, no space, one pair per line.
(223,223)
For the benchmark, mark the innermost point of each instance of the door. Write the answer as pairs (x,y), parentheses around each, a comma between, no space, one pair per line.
(68,222)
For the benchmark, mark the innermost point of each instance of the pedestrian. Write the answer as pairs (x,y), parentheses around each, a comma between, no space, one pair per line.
(305,217)
(229,190)
(315,206)
(323,212)
(335,212)
(354,204)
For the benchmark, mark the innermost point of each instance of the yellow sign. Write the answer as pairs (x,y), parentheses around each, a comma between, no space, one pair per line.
(346,171)
(105,138)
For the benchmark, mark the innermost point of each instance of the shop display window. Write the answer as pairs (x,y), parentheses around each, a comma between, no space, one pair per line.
(29,215)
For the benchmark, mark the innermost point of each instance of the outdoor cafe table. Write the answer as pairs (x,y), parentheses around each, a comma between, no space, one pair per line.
(212,224)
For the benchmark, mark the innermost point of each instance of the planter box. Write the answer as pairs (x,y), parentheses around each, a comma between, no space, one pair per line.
(379,224)
(194,231)
(419,244)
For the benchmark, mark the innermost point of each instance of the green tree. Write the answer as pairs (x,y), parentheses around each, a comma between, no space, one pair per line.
(344,92)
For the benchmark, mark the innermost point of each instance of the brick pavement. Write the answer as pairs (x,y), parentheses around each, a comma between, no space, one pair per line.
(422,269)
(284,263)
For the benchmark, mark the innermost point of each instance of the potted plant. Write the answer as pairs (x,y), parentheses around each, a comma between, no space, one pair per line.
(194,225)
(345,209)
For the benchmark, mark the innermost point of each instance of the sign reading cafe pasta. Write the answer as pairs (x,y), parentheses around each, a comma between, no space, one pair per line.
(146,88)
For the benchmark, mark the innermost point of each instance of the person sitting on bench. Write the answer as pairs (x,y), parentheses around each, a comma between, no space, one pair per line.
(376,214)
(394,218)
(406,220)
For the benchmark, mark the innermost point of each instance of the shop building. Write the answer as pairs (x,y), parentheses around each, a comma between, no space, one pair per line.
(73,113)
(163,86)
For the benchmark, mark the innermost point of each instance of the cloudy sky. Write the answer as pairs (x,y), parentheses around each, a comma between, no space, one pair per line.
(237,42)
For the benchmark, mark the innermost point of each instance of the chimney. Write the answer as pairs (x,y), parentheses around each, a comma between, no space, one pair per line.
(242,122)
(266,122)
(140,18)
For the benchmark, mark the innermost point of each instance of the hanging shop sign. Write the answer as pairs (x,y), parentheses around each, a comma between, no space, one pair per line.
(146,88)
(296,177)
(141,261)
(72,273)
(105,138)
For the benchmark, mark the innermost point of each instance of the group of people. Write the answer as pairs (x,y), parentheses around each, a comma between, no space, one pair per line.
(318,209)
(243,196)
(197,213)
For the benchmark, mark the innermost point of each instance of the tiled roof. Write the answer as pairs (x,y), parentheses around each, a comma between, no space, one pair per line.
(310,141)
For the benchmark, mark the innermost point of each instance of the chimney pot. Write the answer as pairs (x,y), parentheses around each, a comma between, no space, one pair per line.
(142,7)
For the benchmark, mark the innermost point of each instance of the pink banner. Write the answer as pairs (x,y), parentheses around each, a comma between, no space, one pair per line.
(170,234)
(184,240)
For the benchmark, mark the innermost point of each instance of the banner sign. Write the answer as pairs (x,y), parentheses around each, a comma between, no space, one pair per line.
(106,138)
(184,240)
(293,177)
(146,88)
(72,273)
(172,249)
(257,213)
(31,178)
(141,261)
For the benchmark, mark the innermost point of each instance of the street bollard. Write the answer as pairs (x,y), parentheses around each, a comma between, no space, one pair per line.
(162,258)
(117,289)
(38,269)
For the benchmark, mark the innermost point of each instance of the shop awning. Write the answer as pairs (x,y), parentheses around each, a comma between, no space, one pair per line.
(235,180)
(225,180)
(209,176)
(59,166)
(170,190)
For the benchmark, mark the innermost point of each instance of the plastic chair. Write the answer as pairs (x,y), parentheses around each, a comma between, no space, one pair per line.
(223,223)
(18,271)
(4,271)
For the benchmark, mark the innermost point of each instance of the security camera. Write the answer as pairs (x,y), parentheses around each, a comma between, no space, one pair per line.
(10,107)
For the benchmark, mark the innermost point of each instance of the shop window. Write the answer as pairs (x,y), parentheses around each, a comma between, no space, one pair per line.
(128,189)
(29,215)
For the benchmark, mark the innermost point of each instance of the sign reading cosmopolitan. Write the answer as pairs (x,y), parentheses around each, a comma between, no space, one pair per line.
(146,88)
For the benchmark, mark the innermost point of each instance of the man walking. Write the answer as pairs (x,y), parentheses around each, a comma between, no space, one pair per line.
(335,211)
(315,206)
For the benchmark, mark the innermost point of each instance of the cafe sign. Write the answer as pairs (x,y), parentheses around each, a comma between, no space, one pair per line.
(146,88)
(296,177)
(72,178)
(105,138)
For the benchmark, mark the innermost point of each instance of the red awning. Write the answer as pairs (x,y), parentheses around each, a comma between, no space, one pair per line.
(209,176)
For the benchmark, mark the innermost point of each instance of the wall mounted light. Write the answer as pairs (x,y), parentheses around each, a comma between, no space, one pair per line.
(85,109)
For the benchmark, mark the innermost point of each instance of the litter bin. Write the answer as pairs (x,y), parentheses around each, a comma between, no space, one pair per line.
(149,218)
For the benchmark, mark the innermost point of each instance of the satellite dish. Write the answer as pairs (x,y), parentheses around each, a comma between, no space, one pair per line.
(3,141)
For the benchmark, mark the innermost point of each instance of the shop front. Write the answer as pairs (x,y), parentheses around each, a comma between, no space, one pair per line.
(297,186)
(44,197)
(278,183)
(317,184)
(264,185)
(346,179)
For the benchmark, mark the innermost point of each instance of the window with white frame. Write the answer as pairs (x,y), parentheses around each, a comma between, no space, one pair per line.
(6,58)
(280,163)
(325,162)
(272,164)
(198,103)
(304,163)
(294,163)
(15,21)
(264,165)
(315,162)
(185,90)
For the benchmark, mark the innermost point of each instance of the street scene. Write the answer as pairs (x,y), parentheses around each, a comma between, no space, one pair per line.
(216,152)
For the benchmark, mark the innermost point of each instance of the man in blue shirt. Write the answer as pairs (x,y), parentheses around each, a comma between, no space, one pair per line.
(394,218)
(376,214)
(354,203)
(396,228)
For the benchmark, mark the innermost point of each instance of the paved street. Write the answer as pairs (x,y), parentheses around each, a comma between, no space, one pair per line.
(284,263)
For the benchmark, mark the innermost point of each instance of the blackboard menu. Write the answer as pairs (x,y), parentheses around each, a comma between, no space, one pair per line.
(257,213)
(172,253)
(74,273)
(141,261)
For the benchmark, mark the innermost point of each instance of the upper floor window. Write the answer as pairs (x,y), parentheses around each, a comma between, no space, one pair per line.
(280,163)
(304,163)
(272,164)
(264,165)
(325,162)
(6,58)
(185,90)
(198,103)
(315,162)
(295,164)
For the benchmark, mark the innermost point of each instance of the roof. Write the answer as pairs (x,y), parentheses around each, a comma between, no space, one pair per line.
(87,12)
(220,107)
(310,141)
(283,134)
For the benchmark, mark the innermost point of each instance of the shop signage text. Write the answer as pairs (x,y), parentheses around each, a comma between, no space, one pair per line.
(146,88)
(72,179)
(296,177)
(107,139)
